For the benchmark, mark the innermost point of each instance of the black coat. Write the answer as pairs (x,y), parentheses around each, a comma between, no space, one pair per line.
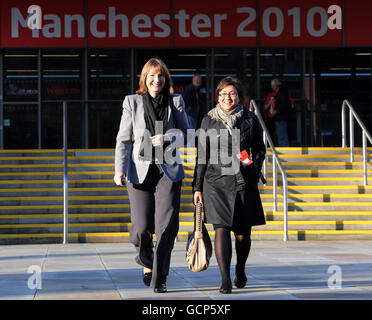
(219,191)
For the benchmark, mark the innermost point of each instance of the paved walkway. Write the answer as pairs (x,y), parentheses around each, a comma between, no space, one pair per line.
(275,270)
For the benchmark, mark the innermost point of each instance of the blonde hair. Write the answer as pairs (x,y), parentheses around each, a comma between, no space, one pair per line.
(159,66)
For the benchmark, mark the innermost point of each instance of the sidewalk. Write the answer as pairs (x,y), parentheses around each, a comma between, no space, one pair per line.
(276,270)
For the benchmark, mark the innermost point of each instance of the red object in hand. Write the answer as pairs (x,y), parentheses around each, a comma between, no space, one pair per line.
(245,159)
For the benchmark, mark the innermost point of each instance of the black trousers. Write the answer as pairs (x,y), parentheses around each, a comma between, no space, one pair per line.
(155,206)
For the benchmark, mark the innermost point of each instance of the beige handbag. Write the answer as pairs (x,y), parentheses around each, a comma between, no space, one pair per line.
(199,245)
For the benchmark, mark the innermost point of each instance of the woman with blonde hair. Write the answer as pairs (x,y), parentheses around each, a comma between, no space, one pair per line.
(153,185)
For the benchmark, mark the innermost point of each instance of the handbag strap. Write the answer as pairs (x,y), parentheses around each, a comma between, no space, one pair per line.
(198,217)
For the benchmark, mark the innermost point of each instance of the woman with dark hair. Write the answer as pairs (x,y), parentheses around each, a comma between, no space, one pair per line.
(231,198)
(152,184)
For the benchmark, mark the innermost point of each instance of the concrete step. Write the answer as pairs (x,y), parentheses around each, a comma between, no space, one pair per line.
(321,206)
(318,150)
(319,215)
(306,181)
(10,168)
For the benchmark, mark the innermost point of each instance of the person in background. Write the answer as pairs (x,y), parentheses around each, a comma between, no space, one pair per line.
(231,199)
(279,104)
(153,185)
(194,101)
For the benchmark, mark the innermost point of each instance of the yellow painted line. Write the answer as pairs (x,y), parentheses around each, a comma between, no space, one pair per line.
(47,165)
(318,178)
(315,222)
(315,187)
(302,222)
(192,156)
(50,198)
(55,150)
(127,224)
(295,232)
(77,215)
(185,233)
(106,234)
(327,204)
(61,189)
(56,158)
(339,163)
(320,213)
(75,206)
(320,156)
(56,173)
(318,148)
(306,179)
(60,225)
(70,215)
(323,195)
(58,235)
(56,181)
(340,232)
(323,171)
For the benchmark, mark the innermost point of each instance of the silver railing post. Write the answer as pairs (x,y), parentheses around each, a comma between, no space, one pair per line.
(275,185)
(365,179)
(275,162)
(365,135)
(351,127)
(265,161)
(65,176)
(343,124)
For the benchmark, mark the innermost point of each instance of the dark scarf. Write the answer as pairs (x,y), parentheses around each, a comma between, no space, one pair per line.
(155,110)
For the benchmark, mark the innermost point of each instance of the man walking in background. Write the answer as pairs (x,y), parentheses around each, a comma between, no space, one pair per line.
(194,101)
(279,104)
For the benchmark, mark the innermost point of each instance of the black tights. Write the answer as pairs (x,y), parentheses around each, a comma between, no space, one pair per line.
(223,250)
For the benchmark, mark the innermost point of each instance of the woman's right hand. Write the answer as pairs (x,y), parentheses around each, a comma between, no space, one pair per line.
(118,178)
(198,197)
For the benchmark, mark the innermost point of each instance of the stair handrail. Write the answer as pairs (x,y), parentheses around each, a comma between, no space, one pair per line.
(276,161)
(365,135)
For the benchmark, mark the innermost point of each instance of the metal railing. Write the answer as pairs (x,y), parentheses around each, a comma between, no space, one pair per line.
(276,162)
(65,176)
(365,135)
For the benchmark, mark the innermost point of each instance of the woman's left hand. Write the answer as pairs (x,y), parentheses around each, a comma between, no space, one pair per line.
(159,140)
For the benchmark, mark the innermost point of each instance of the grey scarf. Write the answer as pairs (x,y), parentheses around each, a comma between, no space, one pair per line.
(230,118)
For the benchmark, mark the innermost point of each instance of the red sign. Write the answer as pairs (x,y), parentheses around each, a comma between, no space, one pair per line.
(358,23)
(179,23)
(62,24)
(124,23)
(298,23)
(203,23)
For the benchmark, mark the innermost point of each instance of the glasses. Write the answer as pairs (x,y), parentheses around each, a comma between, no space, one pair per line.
(230,94)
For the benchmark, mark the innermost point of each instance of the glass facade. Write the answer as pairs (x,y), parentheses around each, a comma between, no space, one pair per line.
(94,83)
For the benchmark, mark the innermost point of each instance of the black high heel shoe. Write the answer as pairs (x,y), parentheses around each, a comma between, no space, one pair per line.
(240,281)
(226,287)
(146,277)
(227,290)
(161,285)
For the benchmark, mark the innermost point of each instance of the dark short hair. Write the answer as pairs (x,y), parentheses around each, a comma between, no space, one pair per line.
(229,81)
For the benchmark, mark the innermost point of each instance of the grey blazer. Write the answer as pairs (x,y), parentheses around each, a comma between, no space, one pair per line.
(131,132)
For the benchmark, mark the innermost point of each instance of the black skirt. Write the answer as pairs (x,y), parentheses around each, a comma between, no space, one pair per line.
(240,224)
